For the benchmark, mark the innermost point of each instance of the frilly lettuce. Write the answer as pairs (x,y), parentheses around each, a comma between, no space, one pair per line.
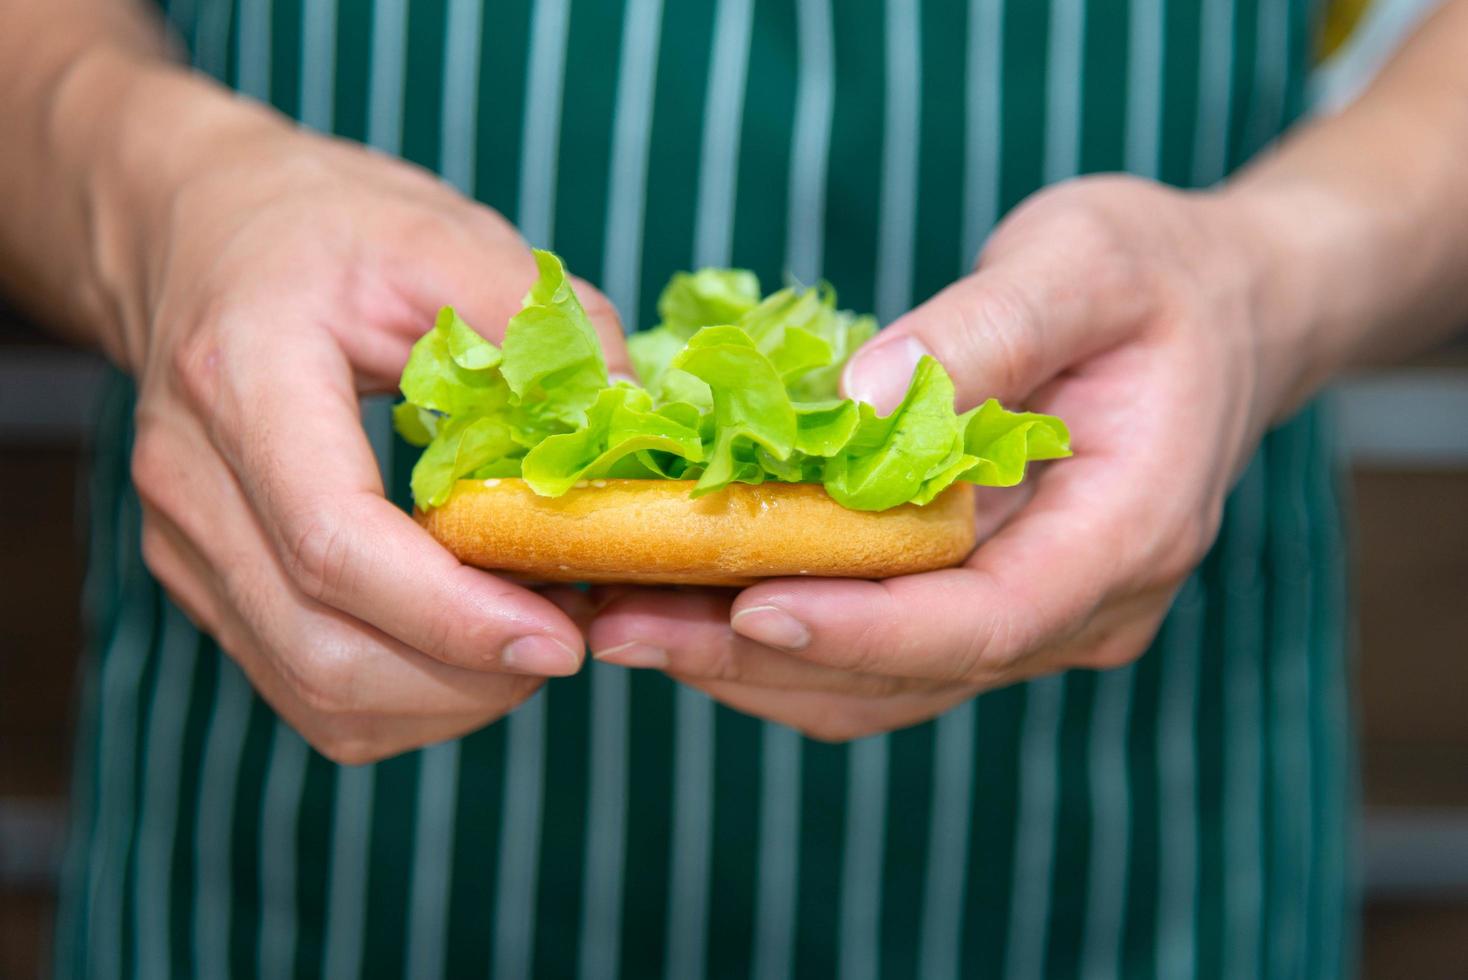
(736,388)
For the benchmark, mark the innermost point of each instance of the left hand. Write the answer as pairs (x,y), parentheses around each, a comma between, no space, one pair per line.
(1145,317)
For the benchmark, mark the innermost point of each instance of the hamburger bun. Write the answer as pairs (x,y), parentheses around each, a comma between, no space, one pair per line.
(651,531)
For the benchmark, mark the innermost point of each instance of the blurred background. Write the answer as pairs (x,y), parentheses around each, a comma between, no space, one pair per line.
(1410,504)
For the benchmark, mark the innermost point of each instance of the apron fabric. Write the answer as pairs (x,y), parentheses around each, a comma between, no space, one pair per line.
(1189,815)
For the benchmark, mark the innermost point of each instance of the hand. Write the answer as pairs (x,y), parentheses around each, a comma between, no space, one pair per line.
(288,275)
(1142,316)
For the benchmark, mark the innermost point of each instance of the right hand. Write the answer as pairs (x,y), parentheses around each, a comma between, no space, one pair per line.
(286,277)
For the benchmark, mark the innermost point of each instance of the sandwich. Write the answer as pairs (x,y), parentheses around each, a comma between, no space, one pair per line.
(732,459)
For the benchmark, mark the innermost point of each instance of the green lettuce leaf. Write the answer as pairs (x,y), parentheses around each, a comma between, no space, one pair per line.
(651,351)
(707,298)
(416,425)
(466,348)
(450,373)
(461,447)
(735,388)
(502,467)
(889,457)
(620,423)
(825,428)
(750,403)
(552,360)
(811,316)
(1002,442)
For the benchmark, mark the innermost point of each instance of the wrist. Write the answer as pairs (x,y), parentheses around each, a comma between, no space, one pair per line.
(131,134)
(1300,242)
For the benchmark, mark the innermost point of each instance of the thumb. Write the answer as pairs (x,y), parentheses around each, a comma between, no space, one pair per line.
(1001,332)
(488,302)
(608,326)
(985,335)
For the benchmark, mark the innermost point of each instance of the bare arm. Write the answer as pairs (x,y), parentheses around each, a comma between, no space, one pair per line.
(255,279)
(72,74)
(1170,329)
(1368,211)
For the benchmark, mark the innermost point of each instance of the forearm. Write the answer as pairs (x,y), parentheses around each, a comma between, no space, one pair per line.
(100,123)
(1368,212)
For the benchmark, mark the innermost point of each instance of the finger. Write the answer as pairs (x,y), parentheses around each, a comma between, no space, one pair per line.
(576,603)
(1126,515)
(609,329)
(488,301)
(1116,636)
(292,434)
(833,717)
(401,711)
(180,570)
(355,737)
(687,634)
(483,269)
(1009,327)
(327,659)
(1033,585)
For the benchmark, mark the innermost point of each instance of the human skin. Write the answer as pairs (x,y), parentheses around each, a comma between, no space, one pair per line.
(1170,330)
(256,279)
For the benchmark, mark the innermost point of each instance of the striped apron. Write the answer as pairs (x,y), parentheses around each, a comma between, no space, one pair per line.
(1185,816)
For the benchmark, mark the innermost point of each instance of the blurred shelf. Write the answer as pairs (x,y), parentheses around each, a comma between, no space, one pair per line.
(1410,536)
(48,395)
(1415,853)
(1416,417)
(32,831)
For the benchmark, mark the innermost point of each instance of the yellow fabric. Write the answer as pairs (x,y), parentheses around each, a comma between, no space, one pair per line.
(1341,18)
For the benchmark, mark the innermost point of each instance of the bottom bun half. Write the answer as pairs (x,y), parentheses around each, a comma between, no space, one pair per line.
(652,531)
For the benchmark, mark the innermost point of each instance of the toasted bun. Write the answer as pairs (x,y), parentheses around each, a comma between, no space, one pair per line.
(651,531)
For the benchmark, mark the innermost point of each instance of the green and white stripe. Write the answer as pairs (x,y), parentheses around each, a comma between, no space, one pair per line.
(1184,816)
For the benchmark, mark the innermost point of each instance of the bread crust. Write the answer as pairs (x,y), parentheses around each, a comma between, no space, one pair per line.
(651,531)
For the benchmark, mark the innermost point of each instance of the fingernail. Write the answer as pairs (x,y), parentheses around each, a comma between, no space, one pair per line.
(772,627)
(880,374)
(540,654)
(616,376)
(634,654)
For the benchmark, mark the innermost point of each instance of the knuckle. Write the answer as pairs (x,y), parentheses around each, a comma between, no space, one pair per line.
(429,229)
(873,642)
(1113,651)
(994,650)
(347,745)
(1000,333)
(831,732)
(707,663)
(867,655)
(316,556)
(447,633)
(1088,228)
(194,365)
(156,553)
(354,754)
(716,661)
(1116,653)
(1184,550)
(450,631)
(151,467)
(323,676)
